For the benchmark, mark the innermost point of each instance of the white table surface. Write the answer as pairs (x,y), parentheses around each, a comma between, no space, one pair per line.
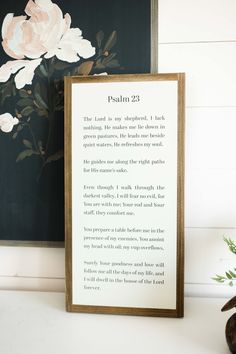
(37,323)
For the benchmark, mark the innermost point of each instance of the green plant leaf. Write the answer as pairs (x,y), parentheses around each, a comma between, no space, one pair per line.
(231,244)
(25,102)
(26,153)
(58,155)
(111,41)
(232,274)
(99,38)
(228,275)
(27,143)
(27,111)
(219,278)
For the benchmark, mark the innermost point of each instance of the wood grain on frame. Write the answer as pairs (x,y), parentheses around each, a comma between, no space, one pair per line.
(154,36)
(70,306)
(68,192)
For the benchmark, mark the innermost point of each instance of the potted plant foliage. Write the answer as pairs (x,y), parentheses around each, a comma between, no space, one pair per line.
(229,276)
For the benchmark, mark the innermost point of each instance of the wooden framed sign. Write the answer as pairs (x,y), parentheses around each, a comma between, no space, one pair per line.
(124,194)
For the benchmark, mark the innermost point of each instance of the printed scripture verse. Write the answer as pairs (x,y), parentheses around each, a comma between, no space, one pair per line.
(125,198)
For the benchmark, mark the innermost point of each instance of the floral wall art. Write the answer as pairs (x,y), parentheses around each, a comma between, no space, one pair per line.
(41,42)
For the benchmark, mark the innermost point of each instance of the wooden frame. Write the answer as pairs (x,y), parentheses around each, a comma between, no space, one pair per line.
(154,36)
(91,285)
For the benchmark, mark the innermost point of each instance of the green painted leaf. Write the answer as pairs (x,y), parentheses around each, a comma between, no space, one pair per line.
(38,96)
(220,280)
(23,93)
(58,155)
(99,38)
(40,145)
(59,108)
(14,90)
(6,90)
(44,92)
(14,135)
(26,153)
(60,65)
(25,102)
(27,111)
(37,88)
(109,58)
(19,128)
(43,70)
(40,101)
(42,112)
(99,64)
(113,64)
(111,41)
(84,68)
(27,143)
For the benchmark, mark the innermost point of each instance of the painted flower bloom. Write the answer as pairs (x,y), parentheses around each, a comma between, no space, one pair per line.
(24,68)
(44,32)
(7,122)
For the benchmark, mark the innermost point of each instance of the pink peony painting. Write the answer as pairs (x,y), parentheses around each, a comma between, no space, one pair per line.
(41,42)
